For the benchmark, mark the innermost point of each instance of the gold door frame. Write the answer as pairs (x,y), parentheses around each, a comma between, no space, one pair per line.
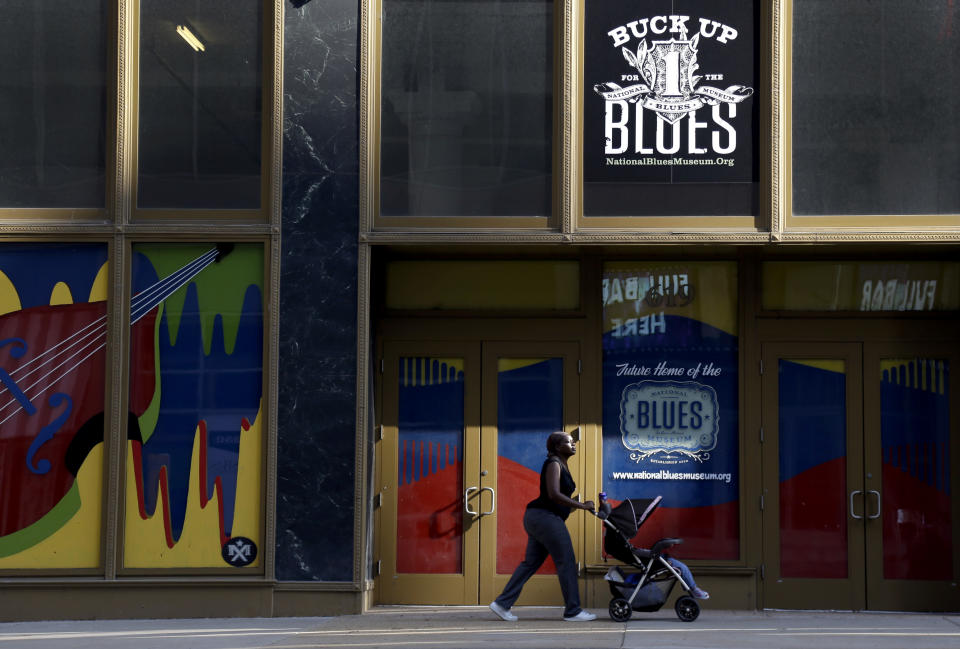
(478,582)
(806,593)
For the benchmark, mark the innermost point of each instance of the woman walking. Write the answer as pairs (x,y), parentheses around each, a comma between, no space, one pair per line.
(547,533)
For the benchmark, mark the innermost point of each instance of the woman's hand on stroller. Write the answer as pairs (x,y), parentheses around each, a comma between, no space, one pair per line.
(589,506)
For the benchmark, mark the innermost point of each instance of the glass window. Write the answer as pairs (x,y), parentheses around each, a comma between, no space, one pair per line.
(53,333)
(670,399)
(53,103)
(669,112)
(430,431)
(874,107)
(467,103)
(917,501)
(200,104)
(196,384)
(812,444)
(485,285)
(861,286)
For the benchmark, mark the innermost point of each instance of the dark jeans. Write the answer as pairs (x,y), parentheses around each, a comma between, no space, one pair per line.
(547,534)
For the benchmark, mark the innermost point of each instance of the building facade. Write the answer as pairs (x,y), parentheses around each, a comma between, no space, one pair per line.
(293,293)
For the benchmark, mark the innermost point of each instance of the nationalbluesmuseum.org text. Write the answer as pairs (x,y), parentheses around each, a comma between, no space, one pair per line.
(643,162)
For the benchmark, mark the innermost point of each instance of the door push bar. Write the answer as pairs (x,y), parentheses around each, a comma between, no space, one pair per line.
(877,514)
(853,514)
(493,500)
(872,516)
(466,500)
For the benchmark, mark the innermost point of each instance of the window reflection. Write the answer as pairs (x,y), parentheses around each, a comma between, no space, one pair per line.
(874,105)
(52,103)
(467,108)
(200,104)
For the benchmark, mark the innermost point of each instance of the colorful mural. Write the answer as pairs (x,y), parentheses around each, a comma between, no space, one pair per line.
(194,461)
(670,399)
(529,408)
(430,455)
(430,470)
(813,469)
(52,338)
(915,438)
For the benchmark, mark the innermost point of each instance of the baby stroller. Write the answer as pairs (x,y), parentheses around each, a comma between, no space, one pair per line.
(648,590)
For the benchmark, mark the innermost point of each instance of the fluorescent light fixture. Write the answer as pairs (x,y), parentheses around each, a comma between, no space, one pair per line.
(192,40)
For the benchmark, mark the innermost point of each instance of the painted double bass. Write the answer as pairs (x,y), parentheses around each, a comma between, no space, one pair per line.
(52,398)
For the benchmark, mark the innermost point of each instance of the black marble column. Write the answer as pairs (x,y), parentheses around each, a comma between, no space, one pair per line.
(318,328)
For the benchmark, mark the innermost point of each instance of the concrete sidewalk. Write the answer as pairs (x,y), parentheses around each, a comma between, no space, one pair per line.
(467,627)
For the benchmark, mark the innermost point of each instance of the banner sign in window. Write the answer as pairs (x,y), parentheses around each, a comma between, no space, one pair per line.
(670,399)
(669,97)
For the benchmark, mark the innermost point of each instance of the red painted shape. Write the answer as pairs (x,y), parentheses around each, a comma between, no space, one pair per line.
(430,522)
(917,528)
(813,523)
(137,450)
(54,360)
(165,505)
(202,486)
(710,532)
(516,486)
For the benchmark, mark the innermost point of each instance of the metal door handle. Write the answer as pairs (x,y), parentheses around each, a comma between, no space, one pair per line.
(877,494)
(466,501)
(853,514)
(493,501)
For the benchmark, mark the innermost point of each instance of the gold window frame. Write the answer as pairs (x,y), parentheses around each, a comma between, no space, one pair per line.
(566,223)
(370,102)
(862,227)
(119,225)
(270,131)
(671,228)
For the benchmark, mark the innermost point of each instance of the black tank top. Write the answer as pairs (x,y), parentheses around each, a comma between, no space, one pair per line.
(567,487)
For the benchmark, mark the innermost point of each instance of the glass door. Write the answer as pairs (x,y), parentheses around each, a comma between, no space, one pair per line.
(464,428)
(913,512)
(813,495)
(860,449)
(430,449)
(530,390)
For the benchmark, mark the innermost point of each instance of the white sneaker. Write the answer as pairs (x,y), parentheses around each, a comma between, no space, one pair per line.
(503,613)
(582,616)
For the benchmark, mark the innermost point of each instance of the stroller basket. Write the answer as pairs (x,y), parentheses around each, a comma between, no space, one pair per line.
(649,598)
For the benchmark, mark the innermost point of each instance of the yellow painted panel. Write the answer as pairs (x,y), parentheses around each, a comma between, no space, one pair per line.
(61,294)
(145,543)
(77,543)
(9,298)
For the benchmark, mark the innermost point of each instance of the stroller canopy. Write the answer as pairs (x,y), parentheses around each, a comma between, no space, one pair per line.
(623,522)
(629,515)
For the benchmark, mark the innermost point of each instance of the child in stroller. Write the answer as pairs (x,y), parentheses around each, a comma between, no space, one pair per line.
(648,590)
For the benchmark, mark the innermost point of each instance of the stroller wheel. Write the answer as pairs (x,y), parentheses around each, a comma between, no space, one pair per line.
(620,609)
(687,609)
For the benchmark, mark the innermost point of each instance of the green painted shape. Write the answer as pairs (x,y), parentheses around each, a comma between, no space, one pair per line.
(148,420)
(220,290)
(220,286)
(52,521)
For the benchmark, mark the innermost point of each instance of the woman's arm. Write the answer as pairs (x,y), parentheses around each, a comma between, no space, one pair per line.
(553,490)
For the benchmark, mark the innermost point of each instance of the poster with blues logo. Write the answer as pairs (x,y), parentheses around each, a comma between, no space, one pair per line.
(669,97)
(670,399)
